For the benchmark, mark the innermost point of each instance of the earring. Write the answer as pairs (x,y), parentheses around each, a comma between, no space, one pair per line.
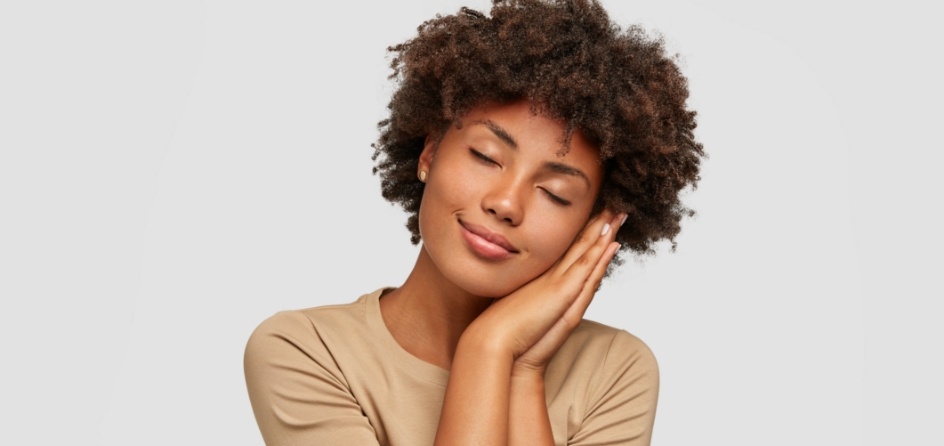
(422,176)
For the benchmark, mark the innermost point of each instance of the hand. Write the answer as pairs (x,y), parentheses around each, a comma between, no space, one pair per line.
(535,320)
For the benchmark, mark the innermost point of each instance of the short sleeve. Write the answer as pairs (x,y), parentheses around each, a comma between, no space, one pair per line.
(622,404)
(298,393)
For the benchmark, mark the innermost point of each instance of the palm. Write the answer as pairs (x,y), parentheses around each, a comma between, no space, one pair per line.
(538,317)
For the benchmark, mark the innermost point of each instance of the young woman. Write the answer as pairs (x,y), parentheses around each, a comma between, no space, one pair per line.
(529,147)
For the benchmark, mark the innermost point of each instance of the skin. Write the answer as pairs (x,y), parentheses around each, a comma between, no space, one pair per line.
(495,316)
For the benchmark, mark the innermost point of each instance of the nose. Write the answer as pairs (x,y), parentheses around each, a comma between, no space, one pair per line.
(504,201)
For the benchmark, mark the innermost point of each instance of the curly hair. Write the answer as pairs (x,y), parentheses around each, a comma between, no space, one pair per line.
(617,87)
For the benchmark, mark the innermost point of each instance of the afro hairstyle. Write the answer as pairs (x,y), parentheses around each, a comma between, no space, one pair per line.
(618,87)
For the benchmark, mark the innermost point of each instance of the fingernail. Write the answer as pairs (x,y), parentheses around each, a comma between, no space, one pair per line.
(623,220)
(606,228)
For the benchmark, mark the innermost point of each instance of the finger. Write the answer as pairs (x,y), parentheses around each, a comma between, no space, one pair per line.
(583,265)
(586,238)
(571,317)
(575,312)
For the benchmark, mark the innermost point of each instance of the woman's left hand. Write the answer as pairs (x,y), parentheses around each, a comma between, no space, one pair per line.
(537,318)
(515,337)
(536,358)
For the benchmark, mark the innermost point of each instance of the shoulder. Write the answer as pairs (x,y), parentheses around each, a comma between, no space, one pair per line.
(608,381)
(313,321)
(299,391)
(606,360)
(306,333)
(615,345)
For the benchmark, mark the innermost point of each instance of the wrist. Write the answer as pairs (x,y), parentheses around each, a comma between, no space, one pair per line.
(527,387)
(523,371)
(485,342)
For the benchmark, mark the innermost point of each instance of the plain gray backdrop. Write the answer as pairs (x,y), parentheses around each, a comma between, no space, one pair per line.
(173,172)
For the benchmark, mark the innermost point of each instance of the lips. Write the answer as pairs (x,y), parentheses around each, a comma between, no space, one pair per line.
(486,243)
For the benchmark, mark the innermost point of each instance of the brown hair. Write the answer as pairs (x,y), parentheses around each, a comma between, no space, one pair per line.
(618,87)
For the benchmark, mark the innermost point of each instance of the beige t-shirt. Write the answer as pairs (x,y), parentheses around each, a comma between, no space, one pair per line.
(334,375)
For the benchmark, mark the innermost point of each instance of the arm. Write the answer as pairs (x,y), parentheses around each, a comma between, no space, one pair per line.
(521,332)
(622,404)
(530,424)
(298,394)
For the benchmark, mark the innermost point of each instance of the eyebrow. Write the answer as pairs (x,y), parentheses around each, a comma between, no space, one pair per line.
(567,170)
(551,166)
(499,132)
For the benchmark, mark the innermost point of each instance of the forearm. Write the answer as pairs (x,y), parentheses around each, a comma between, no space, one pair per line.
(529,326)
(527,405)
(475,408)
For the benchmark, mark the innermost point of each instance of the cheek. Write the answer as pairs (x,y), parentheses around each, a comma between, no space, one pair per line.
(442,198)
(443,194)
(555,238)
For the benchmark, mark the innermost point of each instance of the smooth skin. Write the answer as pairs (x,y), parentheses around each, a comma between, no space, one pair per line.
(496,323)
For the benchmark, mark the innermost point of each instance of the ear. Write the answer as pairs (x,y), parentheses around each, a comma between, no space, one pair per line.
(429,150)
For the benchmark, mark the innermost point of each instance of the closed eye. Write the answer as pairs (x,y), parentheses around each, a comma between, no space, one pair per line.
(555,198)
(481,156)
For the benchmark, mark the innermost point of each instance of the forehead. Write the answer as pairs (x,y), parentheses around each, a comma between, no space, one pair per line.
(521,124)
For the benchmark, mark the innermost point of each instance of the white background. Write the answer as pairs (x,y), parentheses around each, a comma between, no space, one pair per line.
(173,172)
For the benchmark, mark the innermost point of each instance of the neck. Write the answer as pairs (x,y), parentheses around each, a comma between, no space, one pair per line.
(428,314)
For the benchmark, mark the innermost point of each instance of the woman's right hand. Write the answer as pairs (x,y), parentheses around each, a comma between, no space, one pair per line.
(522,331)
(534,321)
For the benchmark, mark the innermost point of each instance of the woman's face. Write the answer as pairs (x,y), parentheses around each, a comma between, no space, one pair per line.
(500,204)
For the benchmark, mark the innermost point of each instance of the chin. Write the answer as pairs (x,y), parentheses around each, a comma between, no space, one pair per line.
(484,281)
(491,291)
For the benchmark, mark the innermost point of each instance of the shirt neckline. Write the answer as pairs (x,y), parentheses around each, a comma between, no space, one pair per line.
(405,359)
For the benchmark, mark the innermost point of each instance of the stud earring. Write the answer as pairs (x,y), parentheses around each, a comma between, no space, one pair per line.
(422,176)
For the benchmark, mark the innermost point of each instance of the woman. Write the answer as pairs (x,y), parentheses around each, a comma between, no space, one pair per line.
(528,147)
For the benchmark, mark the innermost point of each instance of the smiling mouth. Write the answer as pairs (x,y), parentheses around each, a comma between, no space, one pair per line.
(485,243)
